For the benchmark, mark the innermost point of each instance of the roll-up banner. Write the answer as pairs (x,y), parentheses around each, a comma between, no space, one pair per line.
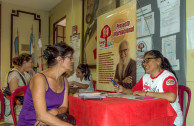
(116,47)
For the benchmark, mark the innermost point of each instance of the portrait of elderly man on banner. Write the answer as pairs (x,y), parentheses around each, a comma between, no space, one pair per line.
(125,73)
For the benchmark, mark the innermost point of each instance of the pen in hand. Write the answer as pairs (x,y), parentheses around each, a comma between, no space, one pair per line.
(114,82)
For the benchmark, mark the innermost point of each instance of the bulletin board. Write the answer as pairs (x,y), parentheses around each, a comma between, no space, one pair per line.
(159,36)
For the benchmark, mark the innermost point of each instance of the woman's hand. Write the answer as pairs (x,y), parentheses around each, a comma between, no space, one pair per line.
(39,123)
(116,80)
(71,82)
(30,70)
(139,93)
(119,88)
(53,112)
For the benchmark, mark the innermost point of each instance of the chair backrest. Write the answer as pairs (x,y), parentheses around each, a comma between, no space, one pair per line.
(2,105)
(181,91)
(94,85)
(12,99)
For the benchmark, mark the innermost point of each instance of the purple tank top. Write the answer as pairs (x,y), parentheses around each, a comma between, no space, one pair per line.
(27,115)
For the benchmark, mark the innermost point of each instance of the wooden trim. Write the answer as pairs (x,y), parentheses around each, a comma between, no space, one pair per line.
(0,45)
(55,28)
(49,30)
(83,11)
(82,31)
(16,13)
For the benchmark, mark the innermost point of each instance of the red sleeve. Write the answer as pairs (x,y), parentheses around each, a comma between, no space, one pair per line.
(138,86)
(170,85)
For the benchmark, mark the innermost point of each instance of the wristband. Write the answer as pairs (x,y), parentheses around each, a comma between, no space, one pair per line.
(146,93)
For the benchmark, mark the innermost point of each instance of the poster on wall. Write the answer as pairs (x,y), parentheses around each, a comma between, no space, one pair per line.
(116,47)
(75,44)
(143,45)
(92,9)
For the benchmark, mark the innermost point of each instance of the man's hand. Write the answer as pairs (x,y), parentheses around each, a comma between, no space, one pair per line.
(127,79)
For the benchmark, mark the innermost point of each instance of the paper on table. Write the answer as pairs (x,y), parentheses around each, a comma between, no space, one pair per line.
(91,96)
(130,96)
(145,98)
(121,95)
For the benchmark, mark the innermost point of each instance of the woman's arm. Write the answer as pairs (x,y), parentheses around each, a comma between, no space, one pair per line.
(38,88)
(83,86)
(13,80)
(13,84)
(171,97)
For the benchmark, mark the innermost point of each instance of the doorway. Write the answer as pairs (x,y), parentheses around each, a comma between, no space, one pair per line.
(59,31)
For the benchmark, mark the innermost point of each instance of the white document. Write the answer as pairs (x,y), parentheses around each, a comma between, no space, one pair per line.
(175,64)
(170,18)
(144,10)
(139,26)
(143,45)
(75,44)
(169,47)
(145,25)
(190,33)
(163,3)
(169,51)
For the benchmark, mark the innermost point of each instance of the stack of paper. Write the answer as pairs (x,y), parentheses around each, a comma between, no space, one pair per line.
(91,96)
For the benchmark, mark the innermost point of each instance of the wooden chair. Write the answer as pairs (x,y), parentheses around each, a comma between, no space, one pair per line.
(2,105)
(12,100)
(181,90)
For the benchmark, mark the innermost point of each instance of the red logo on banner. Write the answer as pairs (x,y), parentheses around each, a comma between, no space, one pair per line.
(105,33)
(140,46)
(141,49)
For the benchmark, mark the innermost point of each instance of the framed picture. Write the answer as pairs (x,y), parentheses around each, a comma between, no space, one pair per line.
(25,29)
(74,29)
(92,9)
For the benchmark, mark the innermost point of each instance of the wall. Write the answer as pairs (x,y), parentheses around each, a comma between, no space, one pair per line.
(72,10)
(6,31)
(73,16)
(190,67)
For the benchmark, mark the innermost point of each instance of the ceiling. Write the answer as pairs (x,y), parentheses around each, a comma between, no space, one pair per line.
(45,5)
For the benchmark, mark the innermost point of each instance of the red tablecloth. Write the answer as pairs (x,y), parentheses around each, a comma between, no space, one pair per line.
(114,111)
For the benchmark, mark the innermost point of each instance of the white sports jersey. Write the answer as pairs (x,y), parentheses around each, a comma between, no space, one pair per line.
(163,82)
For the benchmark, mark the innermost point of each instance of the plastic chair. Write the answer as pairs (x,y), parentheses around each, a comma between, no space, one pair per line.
(2,105)
(181,91)
(94,85)
(12,99)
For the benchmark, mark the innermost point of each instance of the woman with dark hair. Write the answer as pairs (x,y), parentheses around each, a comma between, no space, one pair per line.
(47,94)
(159,81)
(82,78)
(17,77)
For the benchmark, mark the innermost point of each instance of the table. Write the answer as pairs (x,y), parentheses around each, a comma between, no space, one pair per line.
(115,111)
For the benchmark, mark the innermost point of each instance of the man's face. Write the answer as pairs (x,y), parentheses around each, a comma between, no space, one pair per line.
(123,52)
(90,11)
